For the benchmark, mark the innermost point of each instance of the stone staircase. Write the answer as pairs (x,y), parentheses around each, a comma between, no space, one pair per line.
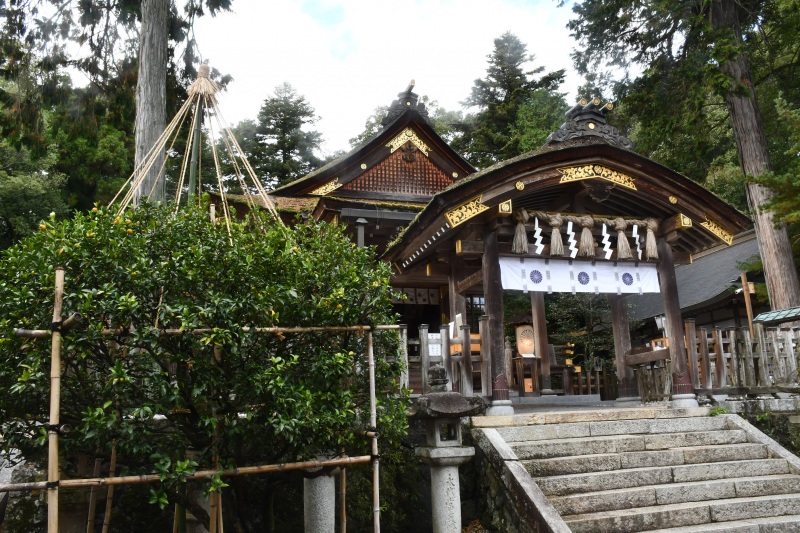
(654,470)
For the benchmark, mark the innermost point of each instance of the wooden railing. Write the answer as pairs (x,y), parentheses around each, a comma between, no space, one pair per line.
(730,360)
(463,356)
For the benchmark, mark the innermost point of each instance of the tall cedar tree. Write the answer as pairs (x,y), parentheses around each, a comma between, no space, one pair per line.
(689,48)
(490,137)
(285,151)
(103,28)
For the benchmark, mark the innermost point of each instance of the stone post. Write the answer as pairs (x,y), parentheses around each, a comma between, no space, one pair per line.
(319,504)
(444,453)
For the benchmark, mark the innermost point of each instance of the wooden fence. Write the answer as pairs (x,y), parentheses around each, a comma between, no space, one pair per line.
(731,361)
(471,375)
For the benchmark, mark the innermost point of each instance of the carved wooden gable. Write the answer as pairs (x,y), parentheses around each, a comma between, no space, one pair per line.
(407,171)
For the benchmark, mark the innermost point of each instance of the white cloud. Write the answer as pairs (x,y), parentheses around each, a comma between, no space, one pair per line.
(351,56)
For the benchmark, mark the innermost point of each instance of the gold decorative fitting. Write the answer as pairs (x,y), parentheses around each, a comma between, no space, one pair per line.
(455,174)
(458,247)
(609,106)
(591,125)
(519,185)
(405,136)
(363,166)
(504,209)
(582,101)
(717,229)
(465,212)
(596,101)
(428,270)
(328,187)
(586,172)
(673,200)
(682,221)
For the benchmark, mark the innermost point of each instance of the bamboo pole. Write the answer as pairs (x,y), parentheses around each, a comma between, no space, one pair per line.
(200,474)
(55,406)
(93,498)
(43,333)
(112,469)
(747,303)
(373,422)
(343,500)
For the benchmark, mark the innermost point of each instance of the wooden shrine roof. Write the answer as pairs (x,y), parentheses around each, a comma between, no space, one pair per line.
(405,161)
(586,167)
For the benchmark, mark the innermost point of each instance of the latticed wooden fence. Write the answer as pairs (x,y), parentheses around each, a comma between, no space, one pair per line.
(732,361)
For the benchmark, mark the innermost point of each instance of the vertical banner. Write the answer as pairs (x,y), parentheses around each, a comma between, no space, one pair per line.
(566,275)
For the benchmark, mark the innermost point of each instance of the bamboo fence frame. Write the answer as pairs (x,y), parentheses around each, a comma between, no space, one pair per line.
(54,482)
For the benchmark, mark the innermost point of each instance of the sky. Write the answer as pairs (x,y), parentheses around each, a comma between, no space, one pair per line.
(348,57)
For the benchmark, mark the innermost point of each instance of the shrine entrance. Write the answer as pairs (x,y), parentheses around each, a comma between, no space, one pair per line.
(582,214)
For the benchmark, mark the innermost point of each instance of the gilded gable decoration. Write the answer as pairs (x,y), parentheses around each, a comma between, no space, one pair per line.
(408,135)
(465,211)
(717,229)
(586,172)
(328,187)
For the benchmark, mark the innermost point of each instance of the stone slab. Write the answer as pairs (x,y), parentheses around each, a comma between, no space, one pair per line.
(594,482)
(579,446)
(754,435)
(651,458)
(729,452)
(573,465)
(695,492)
(608,500)
(757,507)
(731,469)
(642,519)
(665,441)
(544,432)
(761,486)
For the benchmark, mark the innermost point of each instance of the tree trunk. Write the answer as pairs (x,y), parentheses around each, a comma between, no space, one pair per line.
(751,142)
(151,94)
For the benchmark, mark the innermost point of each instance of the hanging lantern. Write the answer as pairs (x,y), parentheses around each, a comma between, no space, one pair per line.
(525,339)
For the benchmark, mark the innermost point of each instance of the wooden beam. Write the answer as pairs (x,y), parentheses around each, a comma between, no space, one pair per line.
(465,247)
(470,281)
(636,357)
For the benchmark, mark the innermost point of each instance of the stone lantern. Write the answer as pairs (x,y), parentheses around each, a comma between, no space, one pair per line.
(444,452)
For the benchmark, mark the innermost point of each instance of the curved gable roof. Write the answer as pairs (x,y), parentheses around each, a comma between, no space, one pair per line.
(562,175)
(371,169)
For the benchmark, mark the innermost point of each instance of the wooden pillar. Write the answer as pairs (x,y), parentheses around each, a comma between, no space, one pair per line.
(682,389)
(458,303)
(627,389)
(540,340)
(493,294)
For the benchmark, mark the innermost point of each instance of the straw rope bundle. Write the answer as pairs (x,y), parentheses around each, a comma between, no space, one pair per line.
(520,242)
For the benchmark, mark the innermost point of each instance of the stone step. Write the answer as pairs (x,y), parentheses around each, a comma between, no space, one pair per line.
(545,449)
(772,524)
(612,427)
(637,477)
(564,417)
(684,514)
(582,464)
(613,500)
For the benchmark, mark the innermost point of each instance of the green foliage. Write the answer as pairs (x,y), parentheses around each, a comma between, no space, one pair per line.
(447,124)
(786,203)
(674,107)
(582,319)
(284,150)
(29,191)
(489,135)
(540,115)
(716,411)
(776,426)
(260,398)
